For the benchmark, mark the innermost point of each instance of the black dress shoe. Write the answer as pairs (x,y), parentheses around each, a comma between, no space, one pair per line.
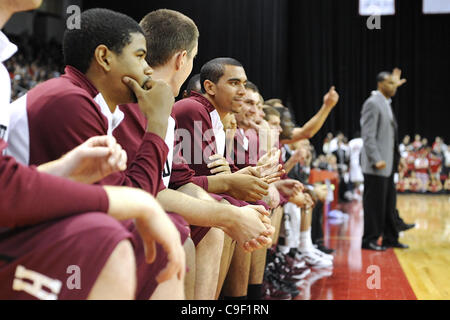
(324,249)
(373,246)
(395,245)
(406,226)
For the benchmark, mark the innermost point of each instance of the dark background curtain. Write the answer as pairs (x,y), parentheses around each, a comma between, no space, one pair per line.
(296,49)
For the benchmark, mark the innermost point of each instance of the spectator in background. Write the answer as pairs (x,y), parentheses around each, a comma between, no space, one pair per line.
(435,165)
(424,142)
(404,146)
(320,162)
(332,163)
(447,185)
(343,162)
(326,143)
(447,162)
(356,175)
(439,145)
(37,62)
(402,184)
(414,183)
(417,143)
(435,185)
(421,169)
(334,142)
(410,158)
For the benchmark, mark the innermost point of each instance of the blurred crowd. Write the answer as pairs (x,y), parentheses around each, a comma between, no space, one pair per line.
(341,155)
(423,168)
(36,61)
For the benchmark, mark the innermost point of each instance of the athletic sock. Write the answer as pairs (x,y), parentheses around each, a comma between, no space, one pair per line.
(254,292)
(305,241)
(284,249)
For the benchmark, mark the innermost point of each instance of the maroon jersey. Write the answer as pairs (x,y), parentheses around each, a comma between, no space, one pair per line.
(245,149)
(62,113)
(199,117)
(130,133)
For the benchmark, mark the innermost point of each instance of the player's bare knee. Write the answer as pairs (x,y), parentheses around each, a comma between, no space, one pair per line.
(122,264)
(189,248)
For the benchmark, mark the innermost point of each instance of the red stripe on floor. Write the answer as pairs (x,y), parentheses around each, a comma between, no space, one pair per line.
(357,274)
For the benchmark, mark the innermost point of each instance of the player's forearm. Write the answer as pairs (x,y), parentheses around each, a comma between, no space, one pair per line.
(54,168)
(219,183)
(129,203)
(288,165)
(195,191)
(197,212)
(312,126)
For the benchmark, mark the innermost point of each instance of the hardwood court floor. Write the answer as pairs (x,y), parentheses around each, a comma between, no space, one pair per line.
(421,272)
(427,262)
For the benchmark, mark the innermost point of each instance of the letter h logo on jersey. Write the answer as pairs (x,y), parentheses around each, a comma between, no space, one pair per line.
(36,288)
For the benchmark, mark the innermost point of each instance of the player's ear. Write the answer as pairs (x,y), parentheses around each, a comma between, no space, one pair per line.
(210,87)
(180,59)
(103,57)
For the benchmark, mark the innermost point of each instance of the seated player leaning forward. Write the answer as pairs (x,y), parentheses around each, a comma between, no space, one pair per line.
(61,113)
(172,61)
(54,223)
(45,217)
(201,117)
(206,138)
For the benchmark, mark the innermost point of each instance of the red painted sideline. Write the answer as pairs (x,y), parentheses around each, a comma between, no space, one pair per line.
(355,272)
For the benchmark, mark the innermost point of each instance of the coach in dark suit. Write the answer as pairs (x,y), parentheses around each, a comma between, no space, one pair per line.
(379,160)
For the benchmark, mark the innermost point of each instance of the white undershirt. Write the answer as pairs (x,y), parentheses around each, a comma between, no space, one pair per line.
(7,49)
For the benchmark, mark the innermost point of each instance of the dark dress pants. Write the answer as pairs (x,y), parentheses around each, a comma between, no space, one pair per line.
(379,202)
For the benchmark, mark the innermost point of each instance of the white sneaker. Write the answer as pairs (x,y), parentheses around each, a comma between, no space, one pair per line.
(300,263)
(315,261)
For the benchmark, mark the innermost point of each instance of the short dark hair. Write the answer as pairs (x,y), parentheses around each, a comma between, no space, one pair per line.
(250,85)
(168,31)
(193,84)
(98,26)
(382,76)
(214,69)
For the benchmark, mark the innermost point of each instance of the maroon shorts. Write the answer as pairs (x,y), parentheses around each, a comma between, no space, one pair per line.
(50,252)
(147,284)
